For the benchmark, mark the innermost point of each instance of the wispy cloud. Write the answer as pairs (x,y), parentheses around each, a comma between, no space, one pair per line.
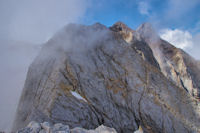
(194,51)
(144,7)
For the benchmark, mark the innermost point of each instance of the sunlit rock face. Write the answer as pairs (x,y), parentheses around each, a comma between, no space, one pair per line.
(86,76)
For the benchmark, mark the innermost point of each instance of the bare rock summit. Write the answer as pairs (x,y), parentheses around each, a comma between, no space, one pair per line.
(87,76)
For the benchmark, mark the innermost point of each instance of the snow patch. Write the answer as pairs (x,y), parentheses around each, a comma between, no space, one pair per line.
(78,96)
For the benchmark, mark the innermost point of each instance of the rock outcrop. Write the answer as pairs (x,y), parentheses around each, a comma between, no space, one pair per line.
(45,127)
(86,76)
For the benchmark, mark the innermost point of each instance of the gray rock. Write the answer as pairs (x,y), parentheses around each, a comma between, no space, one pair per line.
(139,130)
(61,132)
(25,130)
(139,45)
(46,126)
(121,87)
(43,131)
(33,127)
(60,127)
(100,129)
(78,130)
(104,129)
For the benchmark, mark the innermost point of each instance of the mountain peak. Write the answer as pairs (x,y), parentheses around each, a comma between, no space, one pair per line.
(145,25)
(99,26)
(120,26)
(123,30)
(147,32)
(97,78)
(146,28)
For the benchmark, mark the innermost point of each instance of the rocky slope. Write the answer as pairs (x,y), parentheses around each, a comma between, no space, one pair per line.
(86,76)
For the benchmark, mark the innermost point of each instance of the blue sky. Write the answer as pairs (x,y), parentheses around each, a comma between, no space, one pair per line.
(177,21)
(36,21)
(183,14)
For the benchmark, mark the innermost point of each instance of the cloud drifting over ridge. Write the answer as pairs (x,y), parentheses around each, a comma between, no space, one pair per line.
(179,38)
(183,39)
(180,16)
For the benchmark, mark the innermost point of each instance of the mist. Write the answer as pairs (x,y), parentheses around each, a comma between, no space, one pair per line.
(25,25)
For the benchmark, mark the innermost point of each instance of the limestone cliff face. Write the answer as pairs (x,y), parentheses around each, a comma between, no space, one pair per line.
(86,76)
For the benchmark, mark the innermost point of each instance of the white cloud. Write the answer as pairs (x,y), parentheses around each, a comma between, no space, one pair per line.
(179,38)
(194,51)
(184,40)
(143,7)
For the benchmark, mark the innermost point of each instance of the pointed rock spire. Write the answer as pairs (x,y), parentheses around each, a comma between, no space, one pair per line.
(119,26)
(148,33)
(123,30)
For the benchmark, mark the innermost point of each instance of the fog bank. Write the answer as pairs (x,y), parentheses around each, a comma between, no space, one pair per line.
(25,25)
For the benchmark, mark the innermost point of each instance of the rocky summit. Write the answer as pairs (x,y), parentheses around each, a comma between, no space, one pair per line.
(87,76)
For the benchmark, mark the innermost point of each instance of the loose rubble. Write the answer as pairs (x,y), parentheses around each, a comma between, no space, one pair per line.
(45,127)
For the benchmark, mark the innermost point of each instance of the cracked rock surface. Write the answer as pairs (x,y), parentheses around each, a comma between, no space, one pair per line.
(86,76)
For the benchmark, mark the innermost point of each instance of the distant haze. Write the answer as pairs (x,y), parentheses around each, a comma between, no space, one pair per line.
(25,25)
